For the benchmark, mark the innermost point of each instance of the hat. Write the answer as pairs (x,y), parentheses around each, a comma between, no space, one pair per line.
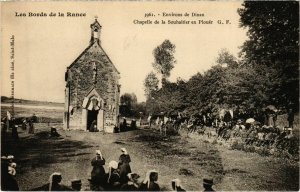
(98,152)
(147,178)
(54,177)
(113,164)
(3,157)
(208,181)
(133,176)
(176,183)
(76,182)
(10,157)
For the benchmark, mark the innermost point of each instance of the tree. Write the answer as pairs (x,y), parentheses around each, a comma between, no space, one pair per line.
(128,99)
(226,58)
(128,104)
(273,31)
(164,58)
(150,84)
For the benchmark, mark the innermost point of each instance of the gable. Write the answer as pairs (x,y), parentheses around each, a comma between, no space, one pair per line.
(95,52)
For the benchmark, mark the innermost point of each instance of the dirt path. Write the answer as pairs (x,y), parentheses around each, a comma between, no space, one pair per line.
(175,157)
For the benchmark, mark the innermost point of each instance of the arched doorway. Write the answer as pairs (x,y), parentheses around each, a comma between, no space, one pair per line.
(92,110)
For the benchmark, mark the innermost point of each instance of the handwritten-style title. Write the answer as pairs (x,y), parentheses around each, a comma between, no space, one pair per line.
(50,14)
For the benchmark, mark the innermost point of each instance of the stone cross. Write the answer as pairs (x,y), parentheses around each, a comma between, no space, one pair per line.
(94,72)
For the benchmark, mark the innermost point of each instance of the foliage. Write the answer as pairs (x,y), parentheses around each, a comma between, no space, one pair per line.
(267,72)
(227,59)
(273,30)
(128,99)
(164,58)
(150,84)
(128,105)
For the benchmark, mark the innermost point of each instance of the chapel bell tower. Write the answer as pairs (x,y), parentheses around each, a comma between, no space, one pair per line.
(95,31)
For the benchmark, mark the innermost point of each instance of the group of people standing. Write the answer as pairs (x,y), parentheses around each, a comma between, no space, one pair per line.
(119,174)
(121,178)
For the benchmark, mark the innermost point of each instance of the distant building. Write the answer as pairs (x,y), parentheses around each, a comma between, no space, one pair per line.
(92,88)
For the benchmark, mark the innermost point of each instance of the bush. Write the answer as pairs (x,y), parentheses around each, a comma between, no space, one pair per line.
(215,141)
(250,149)
(237,145)
(263,151)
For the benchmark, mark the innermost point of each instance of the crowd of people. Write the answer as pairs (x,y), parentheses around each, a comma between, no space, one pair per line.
(27,124)
(255,129)
(121,178)
(118,178)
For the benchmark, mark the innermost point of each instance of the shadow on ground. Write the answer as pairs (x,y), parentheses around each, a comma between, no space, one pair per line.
(190,160)
(40,150)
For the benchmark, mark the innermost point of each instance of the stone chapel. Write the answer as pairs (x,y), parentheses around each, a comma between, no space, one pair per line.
(92,88)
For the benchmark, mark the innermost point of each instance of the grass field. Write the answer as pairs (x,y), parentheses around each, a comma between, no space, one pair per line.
(44,115)
(186,158)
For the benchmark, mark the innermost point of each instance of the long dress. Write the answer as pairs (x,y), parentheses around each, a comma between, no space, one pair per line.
(124,167)
(113,182)
(8,182)
(152,187)
(130,186)
(98,172)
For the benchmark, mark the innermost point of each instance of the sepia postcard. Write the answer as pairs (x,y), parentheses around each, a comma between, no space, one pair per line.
(150,95)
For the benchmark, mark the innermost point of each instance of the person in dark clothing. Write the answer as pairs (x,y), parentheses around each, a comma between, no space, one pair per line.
(133,124)
(207,184)
(113,177)
(176,185)
(34,118)
(54,184)
(31,127)
(149,184)
(93,127)
(124,166)
(53,132)
(98,172)
(76,185)
(132,184)
(24,124)
(227,118)
(14,133)
(123,126)
(8,182)
(290,118)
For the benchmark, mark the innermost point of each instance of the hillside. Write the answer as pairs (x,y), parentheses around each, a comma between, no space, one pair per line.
(5,99)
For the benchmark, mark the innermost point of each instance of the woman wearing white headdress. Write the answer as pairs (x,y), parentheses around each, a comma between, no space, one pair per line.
(113,178)
(54,184)
(54,180)
(124,166)
(176,185)
(149,183)
(132,184)
(98,172)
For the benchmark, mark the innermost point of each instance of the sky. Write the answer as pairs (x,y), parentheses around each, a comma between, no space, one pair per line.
(45,46)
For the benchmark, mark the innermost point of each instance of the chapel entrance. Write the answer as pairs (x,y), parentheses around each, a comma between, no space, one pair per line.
(92,119)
